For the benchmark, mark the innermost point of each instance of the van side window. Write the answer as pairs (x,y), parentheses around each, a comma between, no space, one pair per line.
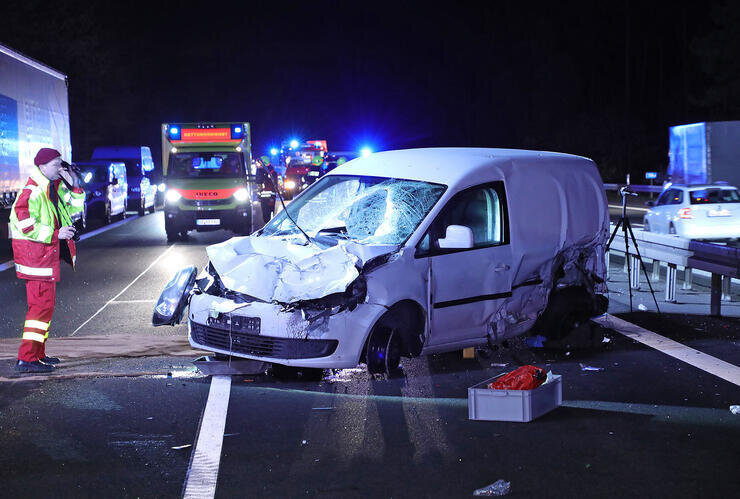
(481,208)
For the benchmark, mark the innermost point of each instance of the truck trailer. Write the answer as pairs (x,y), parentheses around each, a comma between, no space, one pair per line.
(705,153)
(34,113)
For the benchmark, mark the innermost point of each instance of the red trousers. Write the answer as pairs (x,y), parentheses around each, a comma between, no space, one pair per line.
(41,296)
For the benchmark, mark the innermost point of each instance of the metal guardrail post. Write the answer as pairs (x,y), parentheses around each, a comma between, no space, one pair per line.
(670,283)
(688,278)
(635,270)
(656,270)
(726,288)
(715,303)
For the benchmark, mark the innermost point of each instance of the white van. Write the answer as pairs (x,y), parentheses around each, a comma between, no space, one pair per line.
(405,253)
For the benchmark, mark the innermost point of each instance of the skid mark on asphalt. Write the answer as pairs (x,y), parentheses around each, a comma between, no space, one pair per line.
(124,289)
(700,360)
(203,471)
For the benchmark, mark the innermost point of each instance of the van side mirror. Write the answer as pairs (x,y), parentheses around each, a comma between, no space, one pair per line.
(456,237)
(649,203)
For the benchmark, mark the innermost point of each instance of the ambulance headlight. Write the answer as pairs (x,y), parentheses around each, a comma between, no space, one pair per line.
(241,195)
(172,196)
(174,298)
(289,184)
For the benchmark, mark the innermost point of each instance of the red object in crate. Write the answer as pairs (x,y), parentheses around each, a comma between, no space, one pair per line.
(524,378)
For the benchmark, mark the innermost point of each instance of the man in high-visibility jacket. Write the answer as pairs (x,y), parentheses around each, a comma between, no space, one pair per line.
(40,218)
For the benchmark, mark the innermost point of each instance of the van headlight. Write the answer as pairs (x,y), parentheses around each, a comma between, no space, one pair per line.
(161,187)
(174,298)
(241,195)
(173,196)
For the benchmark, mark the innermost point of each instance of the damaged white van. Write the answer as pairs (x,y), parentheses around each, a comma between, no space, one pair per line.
(406,253)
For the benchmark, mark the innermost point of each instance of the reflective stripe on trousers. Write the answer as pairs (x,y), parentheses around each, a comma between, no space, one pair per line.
(41,296)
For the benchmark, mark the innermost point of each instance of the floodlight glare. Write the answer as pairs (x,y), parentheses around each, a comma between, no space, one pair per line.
(366,151)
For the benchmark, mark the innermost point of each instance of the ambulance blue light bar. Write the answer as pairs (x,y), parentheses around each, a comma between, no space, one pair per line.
(175,133)
(237,131)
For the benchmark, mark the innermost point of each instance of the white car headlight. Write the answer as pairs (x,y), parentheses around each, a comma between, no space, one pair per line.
(289,184)
(173,196)
(241,195)
(161,187)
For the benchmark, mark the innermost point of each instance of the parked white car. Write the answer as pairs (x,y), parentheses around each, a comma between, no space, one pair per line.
(706,211)
(404,253)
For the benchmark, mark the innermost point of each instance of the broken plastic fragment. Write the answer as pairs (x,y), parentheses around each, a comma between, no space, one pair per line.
(606,339)
(735,409)
(535,341)
(498,488)
(642,307)
(179,447)
(584,367)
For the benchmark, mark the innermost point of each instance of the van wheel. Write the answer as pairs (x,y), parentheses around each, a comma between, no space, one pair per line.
(566,310)
(142,207)
(646,226)
(153,208)
(671,229)
(383,352)
(107,216)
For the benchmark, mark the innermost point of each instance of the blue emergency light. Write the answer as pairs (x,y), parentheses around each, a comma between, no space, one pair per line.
(175,133)
(651,175)
(366,151)
(273,152)
(237,132)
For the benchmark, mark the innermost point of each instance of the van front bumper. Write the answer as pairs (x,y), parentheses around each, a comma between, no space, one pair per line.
(283,337)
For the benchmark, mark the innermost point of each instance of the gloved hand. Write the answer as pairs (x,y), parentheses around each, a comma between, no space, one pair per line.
(67,232)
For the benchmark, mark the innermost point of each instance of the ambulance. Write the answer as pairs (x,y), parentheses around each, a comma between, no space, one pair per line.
(209,180)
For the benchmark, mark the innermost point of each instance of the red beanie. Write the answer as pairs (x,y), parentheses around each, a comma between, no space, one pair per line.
(45,155)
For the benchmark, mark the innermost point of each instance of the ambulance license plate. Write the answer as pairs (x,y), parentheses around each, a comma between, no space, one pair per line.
(208,221)
(313,174)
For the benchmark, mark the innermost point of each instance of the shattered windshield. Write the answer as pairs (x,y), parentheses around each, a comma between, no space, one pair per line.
(369,210)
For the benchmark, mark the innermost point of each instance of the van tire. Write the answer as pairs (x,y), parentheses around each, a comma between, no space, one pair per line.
(646,226)
(107,216)
(566,310)
(142,207)
(671,229)
(383,351)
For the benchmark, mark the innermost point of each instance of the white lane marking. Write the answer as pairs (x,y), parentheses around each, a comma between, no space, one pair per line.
(203,471)
(635,208)
(700,360)
(10,264)
(124,289)
(133,301)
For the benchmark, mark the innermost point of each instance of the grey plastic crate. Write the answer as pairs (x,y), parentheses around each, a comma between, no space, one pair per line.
(522,406)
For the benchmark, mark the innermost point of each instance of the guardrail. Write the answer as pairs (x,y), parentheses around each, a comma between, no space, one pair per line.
(635,187)
(722,262)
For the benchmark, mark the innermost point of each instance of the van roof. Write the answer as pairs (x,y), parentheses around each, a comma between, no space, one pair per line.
(453,165)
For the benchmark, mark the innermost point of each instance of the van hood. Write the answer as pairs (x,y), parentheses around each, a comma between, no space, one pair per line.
(282,269)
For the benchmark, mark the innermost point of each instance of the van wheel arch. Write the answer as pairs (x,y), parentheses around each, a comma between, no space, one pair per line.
(407,318)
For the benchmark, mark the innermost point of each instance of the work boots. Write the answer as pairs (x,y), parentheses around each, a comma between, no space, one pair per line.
(35,367)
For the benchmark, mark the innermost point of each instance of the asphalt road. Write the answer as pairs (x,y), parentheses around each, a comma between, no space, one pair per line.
(647,425)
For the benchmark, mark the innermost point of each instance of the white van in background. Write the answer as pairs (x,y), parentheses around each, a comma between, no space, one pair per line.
(142,189)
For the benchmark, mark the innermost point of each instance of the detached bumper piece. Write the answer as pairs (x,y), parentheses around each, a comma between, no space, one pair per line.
(261,346)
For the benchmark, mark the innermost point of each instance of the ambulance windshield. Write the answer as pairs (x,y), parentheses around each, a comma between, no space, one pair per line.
(205,164)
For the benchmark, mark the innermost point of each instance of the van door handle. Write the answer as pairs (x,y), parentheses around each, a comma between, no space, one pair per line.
(500,267)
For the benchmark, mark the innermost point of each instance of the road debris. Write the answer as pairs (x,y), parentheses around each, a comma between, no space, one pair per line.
(180,447)
(584,367)
(535,341)
(735,409)
(498,488)
(499,364)
(322,408)
(606,339)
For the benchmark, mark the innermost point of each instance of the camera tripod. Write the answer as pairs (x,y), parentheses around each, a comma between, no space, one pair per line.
(626,226)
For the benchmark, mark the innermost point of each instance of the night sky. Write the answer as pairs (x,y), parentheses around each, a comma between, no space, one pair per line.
(600,79)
